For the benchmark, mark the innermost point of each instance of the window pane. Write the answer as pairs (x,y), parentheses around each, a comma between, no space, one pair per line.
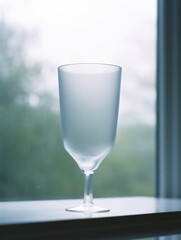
(35,38)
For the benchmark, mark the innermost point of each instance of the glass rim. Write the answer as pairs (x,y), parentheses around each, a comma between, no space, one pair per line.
(92,63)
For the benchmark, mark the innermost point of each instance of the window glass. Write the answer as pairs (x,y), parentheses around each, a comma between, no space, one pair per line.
(35,38)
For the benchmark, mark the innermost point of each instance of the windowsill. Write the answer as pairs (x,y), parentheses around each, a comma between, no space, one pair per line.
(128,217)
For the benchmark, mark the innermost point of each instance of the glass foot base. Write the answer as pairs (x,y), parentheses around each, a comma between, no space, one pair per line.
(87,209)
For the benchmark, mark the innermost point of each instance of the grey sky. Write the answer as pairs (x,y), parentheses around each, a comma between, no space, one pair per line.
(120,32)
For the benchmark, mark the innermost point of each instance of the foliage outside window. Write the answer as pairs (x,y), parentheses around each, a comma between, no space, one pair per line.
(34,164)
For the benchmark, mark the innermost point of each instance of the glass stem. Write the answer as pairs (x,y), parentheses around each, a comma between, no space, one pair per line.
(88,198)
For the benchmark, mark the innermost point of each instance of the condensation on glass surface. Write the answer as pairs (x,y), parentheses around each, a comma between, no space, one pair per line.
(35,38)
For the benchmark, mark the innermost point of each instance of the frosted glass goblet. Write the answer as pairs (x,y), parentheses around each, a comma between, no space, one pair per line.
(89,102)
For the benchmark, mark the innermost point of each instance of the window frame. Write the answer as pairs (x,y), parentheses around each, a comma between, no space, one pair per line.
(168,113)
(130,218)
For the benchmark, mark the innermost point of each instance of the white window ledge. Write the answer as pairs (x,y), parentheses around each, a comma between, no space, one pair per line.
(129,217)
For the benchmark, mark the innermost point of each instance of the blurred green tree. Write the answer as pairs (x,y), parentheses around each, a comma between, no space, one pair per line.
(30,144)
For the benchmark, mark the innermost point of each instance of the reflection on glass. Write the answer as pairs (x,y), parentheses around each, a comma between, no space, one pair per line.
(170,237)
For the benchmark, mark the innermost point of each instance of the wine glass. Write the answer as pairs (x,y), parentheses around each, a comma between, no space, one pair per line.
(89,102)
